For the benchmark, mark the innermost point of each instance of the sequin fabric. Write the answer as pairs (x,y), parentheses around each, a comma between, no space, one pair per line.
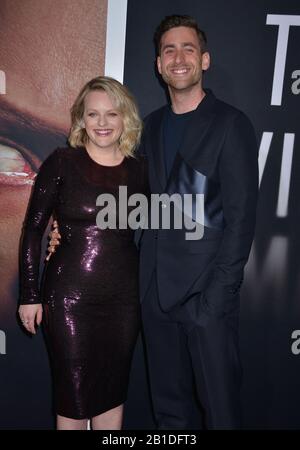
(89,289)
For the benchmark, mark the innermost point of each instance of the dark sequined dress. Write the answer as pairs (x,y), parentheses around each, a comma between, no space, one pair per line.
(89,288)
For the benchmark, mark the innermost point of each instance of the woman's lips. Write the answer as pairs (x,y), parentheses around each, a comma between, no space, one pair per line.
(103,133)
(14,170)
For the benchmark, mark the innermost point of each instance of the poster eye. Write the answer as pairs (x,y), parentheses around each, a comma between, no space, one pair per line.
(14,168)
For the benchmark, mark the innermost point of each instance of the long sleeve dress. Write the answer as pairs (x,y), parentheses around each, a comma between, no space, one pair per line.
(89,287)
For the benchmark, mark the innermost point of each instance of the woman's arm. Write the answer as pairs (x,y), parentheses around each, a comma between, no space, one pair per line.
(41,206)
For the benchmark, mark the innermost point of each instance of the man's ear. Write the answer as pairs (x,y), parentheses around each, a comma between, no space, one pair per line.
(158,63)
(205,61)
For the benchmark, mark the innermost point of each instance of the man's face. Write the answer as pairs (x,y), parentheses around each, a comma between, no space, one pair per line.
(181,61)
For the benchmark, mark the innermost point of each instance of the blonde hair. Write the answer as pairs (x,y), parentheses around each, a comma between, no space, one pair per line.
(125,104)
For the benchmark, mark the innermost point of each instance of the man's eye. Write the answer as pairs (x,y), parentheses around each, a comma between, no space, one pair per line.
(14,169)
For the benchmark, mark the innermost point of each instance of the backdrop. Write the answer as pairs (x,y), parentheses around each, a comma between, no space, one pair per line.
(255,67)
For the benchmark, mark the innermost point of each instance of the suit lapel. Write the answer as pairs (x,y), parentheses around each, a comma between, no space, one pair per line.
(157,146)
(197,129)
(198,126)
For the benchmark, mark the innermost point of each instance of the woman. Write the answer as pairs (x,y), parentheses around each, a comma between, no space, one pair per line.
(34,120)
(90,284)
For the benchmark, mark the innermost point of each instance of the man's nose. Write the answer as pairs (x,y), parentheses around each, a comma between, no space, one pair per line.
(179,56)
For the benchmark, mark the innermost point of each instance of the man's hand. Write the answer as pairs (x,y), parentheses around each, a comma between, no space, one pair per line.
(31,314)
(54,239)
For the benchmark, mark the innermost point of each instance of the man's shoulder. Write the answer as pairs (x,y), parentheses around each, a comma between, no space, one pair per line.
(227,110)
(230,119)
(228,113)
(219,107)
(157,114)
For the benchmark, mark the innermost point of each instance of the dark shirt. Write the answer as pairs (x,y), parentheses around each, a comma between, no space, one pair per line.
(174,127)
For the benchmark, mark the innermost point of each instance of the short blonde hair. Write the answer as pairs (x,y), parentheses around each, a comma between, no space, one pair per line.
(123,101)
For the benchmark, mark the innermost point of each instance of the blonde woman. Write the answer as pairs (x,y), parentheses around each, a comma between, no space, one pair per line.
(88,299)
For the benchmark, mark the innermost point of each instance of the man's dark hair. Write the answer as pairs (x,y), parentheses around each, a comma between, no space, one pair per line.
(178,21)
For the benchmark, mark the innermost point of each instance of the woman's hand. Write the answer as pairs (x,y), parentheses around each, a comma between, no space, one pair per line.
(29,315)
(54,240)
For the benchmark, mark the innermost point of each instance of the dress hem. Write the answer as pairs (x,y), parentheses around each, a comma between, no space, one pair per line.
(91,415)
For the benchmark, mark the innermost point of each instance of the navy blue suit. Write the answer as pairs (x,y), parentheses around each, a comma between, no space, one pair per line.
(190,288)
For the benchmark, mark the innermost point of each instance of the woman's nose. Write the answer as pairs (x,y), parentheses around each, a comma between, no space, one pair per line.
(102,120)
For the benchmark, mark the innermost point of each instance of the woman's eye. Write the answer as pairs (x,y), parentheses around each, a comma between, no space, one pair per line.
(14,169)
(92,114)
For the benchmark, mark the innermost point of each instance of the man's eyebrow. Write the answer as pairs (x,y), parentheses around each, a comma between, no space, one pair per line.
(189,44)
(33,133)
(183,44)
(167,46)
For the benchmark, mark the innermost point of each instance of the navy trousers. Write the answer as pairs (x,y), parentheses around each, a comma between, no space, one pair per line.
(193,362)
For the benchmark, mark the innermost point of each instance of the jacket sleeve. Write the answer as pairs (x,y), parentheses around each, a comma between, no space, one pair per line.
(41,206)
(238,172)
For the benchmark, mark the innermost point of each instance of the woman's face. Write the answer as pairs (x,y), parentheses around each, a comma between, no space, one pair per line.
(47,56)
(103,122)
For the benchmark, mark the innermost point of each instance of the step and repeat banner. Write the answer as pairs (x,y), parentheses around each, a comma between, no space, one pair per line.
(48,50)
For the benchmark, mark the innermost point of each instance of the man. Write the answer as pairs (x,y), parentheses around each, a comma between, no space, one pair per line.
(190,288)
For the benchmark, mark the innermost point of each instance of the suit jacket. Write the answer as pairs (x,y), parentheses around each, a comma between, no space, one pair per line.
(217,158)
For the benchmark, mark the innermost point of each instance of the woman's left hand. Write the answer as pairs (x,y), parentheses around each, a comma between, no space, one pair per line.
(29,314)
